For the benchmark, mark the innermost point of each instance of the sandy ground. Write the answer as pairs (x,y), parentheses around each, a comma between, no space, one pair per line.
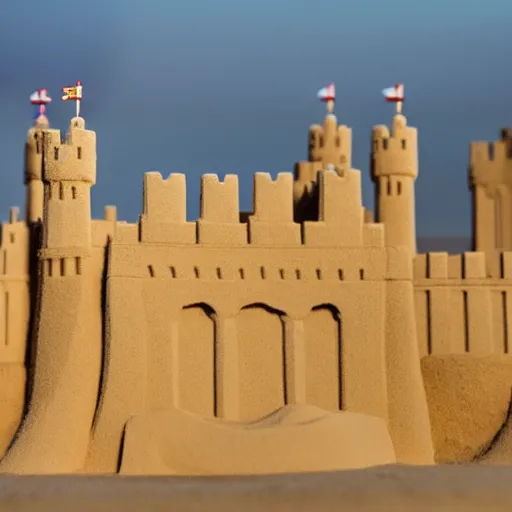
(391,488)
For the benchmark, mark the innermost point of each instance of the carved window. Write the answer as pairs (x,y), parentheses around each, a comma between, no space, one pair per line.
(404,144)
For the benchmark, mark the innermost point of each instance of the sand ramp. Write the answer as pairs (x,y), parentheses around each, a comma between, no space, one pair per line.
(293,439)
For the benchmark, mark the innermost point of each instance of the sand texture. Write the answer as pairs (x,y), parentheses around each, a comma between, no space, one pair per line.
(391,488)
(12,398)
(468,400)
(294,439)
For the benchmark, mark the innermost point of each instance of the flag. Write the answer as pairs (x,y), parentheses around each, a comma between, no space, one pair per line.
(40,97)
(72,93)
(395,93)
(327,93)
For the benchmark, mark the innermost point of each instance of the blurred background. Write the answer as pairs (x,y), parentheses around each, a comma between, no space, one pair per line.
(200,86)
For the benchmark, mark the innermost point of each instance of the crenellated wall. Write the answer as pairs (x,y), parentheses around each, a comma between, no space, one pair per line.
(459,309)
(234,320)
(341,217)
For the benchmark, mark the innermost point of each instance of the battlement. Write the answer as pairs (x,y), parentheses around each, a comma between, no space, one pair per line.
(490,162)
(72,159)
(395,153)
(469,265)
(441,265)
(341,215)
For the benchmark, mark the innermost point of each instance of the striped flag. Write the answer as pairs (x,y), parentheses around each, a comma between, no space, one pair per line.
(327,93)
(394,94)
(72,93)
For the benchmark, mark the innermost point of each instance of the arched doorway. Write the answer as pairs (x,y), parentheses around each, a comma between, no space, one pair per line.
(322,330)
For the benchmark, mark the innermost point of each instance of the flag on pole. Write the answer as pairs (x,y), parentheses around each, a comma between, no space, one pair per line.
(72,93)
(327,93)
(394,94)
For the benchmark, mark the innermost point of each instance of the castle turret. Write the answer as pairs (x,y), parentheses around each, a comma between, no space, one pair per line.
(69,172)
(330,145)
(394,169)
(56,430)
(490,181)
(34,174)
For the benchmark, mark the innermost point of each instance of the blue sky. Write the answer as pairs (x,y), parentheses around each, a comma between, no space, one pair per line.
(198,86)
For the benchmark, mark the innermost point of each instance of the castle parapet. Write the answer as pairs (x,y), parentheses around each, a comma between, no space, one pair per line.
(340,216)
(489,161)
(459,307)
(441,265)
(164,216)
(340,224)
(220,213)
(272,221)
(395,154)
(71,160)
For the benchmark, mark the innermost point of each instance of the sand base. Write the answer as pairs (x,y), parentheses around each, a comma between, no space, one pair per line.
(394,488)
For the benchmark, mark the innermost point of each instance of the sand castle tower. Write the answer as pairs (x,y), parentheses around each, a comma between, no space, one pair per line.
(68,350)
(330,146)
(34,171)
(394,165)
(490,181)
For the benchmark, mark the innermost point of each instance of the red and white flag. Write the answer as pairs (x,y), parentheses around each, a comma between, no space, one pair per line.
(40,97)
(394,94)
(327,93)
(73,93)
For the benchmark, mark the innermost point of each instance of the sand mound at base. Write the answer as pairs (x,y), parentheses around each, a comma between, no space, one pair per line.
(294,439)
(468,399)
(500,451)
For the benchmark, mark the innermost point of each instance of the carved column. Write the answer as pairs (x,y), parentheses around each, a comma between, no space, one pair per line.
(295,361)
(227,368)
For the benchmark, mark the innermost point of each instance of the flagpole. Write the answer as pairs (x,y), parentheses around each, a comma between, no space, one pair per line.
(399,105)
(77,108)
(330,106)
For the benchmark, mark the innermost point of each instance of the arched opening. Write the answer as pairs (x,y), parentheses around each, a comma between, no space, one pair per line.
(196,356)
(323,346)
(262,360)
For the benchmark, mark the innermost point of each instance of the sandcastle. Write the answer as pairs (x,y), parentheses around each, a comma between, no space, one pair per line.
(302,336)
